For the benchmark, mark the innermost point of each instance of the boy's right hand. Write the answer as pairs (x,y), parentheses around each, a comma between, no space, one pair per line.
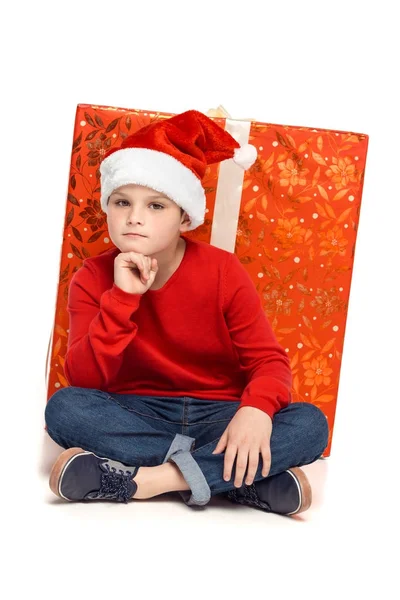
(134,273)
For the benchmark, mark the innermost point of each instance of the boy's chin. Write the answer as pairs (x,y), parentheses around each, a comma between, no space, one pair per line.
(136,244)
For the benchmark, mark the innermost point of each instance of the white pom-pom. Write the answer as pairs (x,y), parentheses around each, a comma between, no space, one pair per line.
(245,156)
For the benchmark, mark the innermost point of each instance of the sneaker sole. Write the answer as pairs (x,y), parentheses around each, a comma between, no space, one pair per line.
(59,467)
(304,487)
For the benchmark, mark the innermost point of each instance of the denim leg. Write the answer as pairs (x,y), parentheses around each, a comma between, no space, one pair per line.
(299,437)
(91,419)
(97,422)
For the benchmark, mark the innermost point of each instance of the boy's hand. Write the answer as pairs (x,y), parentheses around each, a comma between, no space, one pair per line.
(134,272)
(247,435)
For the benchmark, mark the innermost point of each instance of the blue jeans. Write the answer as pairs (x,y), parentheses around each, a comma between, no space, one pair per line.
(149,431)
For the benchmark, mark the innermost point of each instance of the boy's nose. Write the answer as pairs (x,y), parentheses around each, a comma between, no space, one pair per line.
(135,216)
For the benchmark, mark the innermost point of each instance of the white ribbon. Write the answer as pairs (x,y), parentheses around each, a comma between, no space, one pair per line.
(229,192)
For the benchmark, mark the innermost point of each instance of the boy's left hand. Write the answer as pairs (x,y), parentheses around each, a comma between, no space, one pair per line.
(247,435)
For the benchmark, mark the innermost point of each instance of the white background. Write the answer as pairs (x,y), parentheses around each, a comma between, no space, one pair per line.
(317,64)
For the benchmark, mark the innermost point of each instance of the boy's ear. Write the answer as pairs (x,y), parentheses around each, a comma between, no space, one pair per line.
(185,219)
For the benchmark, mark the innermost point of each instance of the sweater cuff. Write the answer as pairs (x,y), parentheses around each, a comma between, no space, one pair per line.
(268,407)
(132,300)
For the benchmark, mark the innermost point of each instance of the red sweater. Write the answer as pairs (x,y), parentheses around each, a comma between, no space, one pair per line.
(204,334)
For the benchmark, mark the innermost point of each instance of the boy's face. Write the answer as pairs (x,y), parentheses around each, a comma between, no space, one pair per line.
(138,209)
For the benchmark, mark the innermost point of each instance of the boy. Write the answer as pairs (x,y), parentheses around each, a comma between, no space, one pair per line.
(177,380)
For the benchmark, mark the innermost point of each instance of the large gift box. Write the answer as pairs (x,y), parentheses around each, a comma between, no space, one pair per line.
(291,219)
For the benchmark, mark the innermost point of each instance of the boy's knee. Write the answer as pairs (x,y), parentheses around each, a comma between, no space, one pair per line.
(316,425)
(60,408)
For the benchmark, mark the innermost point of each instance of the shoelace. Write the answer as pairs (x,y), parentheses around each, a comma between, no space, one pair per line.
(113,485)
(247,495)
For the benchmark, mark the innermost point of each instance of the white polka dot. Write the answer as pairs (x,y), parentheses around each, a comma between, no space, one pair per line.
(255,188)
(335,328)
(114,135)
(56,365)
(275,144)
(261,148)
(90,175)
(272,220)
(85,229)
(330,355)
(69,235)
(83,123)
(314,318)
(106,240)
(356,158)
(326,158)
(345,226)
(57,385)
(251,216)
(80,200)
(322,266)
(310,289)
(67,330)
(286,349)
(351,198)
(282,195)
(329,187)
(340,289)
(299,345)
(145,114)
(260,274)
(70,255)
(315,194)
(306,156)
(299,324)
(276,249)
(260,255)
(207,210)
(315,216)
(337,134)
(296,259)
(290,287)
(306,394)
(301,220)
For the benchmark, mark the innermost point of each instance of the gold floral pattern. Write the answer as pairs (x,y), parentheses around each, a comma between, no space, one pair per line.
(342,172)
(289,232)
(292,174)
(296,235)
(333,242)
(317,371)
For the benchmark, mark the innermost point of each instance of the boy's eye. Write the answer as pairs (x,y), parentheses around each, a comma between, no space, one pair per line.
(152,204)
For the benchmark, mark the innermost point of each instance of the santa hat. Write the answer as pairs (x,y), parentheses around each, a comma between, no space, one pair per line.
(171,156)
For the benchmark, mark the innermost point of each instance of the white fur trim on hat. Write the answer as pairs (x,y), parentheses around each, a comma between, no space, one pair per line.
(156,170)
(245,156)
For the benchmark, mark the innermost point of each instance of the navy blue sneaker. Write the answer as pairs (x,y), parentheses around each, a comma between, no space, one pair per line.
(80,475)
(286,493)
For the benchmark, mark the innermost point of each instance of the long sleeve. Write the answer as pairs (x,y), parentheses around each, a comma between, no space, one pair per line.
(263,360)
(100,328)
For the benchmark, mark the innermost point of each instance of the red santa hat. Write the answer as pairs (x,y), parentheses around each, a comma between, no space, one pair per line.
(171,156)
